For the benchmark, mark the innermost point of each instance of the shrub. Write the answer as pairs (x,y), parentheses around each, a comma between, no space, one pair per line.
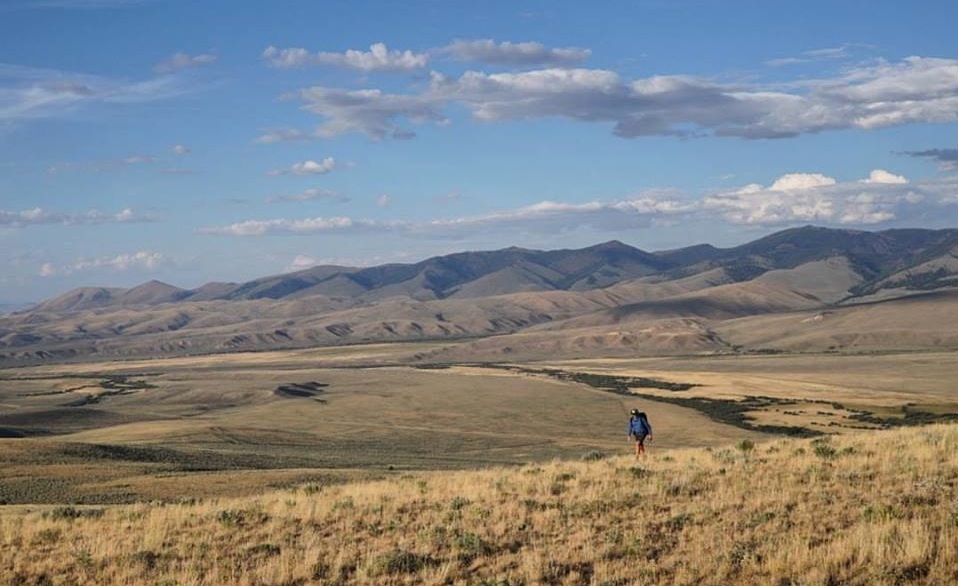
(241,517)
(825,451)
(70,513)
(145,559)
(400,561)
(471,546)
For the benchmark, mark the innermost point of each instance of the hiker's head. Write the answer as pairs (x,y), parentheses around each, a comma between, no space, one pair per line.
(634,413)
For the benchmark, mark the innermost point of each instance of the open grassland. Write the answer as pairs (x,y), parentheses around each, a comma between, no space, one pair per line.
(824,393)
(864,508)
(234,425)
(129,431)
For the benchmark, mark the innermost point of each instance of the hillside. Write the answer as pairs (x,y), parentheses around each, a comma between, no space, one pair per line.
(607,297)
(875,508)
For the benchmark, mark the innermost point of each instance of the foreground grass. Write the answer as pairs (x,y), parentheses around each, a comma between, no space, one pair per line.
(873,508)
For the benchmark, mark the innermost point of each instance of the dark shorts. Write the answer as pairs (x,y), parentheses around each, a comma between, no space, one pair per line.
(639,438)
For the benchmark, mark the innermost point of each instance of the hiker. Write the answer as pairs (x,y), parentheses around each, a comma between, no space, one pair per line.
(639,430)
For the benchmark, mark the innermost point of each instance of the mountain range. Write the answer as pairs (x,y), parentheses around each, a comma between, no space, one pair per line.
(608,299)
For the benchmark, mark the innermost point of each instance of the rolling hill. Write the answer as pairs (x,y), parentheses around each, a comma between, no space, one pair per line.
(605,298)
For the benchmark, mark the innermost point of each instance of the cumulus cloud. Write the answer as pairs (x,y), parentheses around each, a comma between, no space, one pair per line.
(793,198)
(141,260)
(914,90)
(38,216)
(947,158)
(311,194)
(514,54)
(800,181)
(179,61)
(882,176)
(308,167)
(812,197)
(378,59)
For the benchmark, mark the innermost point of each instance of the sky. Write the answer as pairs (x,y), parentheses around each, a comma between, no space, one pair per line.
(223,140)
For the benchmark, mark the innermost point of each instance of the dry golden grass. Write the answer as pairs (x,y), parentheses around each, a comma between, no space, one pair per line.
(222,415)
(868,508)
(881,384)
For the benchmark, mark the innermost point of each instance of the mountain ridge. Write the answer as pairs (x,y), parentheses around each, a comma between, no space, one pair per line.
(679,298)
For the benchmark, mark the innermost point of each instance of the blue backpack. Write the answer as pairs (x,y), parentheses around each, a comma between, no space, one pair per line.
(639,425)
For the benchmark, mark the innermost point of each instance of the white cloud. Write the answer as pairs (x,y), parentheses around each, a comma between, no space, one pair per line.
(515,54)
(180,61)
(142,260)
(313,193)
(38,216)
(308,167)
(284,226)
(384,200)
(812,197)
(793,198)
(301,262)
(180,149)
(914,90)
(792,181)
(542,217)
(882,176)
(378,59)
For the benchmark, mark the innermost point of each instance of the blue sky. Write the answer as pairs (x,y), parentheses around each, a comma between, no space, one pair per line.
(224,140)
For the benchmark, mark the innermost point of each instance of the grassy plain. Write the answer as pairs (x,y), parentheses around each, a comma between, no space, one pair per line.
(232,425)
(204,426)
(359,466)
(876,507)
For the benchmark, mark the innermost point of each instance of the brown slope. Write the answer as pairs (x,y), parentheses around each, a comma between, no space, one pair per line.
(518,278)
(210,291)
(151,293)
(939,271)
(922,321)
(79,299)
(654,337)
